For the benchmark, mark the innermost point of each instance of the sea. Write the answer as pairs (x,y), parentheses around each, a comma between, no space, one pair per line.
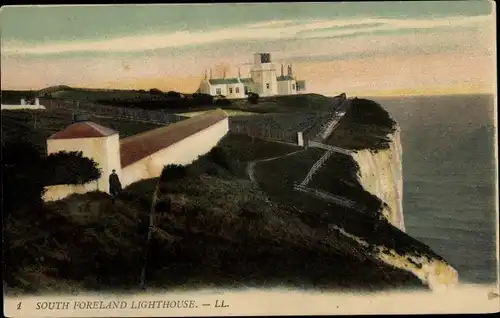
(449,171)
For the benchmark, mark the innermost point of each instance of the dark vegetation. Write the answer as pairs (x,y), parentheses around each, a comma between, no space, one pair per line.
(69,168)
(213,226)
(339,176)
(25,173)
(276,178)
(155,99)
(253,98)
(366,125)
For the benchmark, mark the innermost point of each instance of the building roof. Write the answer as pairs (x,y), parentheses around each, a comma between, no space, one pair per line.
(285,78)
(220,81)
(83,129)
(246,80)
(135,148)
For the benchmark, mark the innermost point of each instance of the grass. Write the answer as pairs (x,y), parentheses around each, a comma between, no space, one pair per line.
(230,112)
(213,227)
(276,178)
(366,125)
(131,98)
(339,176)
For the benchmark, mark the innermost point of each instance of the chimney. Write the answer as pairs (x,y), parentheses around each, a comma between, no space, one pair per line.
(37,101)
(224,73)
(205,74)
(239,72)
(281,69)
(290,70)
(210,73)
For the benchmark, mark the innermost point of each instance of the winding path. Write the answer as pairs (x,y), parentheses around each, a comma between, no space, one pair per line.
(251,165)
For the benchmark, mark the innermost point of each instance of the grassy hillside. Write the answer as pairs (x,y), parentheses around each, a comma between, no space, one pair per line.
(213,228)
(213,225)
(364,126)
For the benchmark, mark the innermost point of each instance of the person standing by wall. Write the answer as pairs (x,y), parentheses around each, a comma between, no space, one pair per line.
(115,186)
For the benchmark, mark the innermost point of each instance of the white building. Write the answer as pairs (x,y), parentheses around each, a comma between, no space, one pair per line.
(23,105)
(137,157)
(262,80)
(94,141)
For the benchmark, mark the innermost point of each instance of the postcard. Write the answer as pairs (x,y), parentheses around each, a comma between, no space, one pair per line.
(249,159)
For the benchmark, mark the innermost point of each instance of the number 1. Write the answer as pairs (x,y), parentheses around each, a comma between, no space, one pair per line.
(19,305)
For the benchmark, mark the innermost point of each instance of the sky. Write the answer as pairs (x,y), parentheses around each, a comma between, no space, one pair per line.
(371,48)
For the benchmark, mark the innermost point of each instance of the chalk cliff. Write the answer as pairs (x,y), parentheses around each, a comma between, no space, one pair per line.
(380,173)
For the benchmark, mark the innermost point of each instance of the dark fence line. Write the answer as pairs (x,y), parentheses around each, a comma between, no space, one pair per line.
(134,114)
(264,132)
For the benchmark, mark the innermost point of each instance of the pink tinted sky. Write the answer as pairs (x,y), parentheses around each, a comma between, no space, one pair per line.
(333,55)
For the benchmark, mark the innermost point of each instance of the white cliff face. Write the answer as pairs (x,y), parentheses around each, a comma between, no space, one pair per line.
(436,274)
(381,174)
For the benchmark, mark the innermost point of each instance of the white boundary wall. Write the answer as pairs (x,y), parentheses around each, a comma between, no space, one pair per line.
(22,107)
(60,191)
(183,152)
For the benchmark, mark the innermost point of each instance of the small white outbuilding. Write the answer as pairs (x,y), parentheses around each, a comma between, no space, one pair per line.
(94,141)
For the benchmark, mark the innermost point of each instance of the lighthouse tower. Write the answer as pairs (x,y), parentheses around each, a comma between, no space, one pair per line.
(263,74)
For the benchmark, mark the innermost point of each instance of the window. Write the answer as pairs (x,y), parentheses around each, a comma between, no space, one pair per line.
(218,91)
(267,85)
(230,90)
(237,90)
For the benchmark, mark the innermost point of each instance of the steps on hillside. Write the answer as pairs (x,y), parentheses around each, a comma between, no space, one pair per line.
(317,165)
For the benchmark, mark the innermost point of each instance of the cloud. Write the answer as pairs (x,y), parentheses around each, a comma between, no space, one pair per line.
(268,30)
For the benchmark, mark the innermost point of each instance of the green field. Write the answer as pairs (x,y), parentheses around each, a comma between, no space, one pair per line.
(230,113)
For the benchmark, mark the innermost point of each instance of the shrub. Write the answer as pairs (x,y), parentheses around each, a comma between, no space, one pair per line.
(253,98)
(69,168)
(23,185)
(202,99)
(19,153)
(218,156)
(155,91)
(173,172)
(173,94)
(221,101)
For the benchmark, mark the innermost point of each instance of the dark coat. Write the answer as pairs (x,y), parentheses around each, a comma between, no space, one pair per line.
(115,185)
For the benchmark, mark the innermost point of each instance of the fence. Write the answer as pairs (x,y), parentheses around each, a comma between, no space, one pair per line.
(332,198)
(133,114)
(322,122)
(330,147)
(315,167)
(264,131)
